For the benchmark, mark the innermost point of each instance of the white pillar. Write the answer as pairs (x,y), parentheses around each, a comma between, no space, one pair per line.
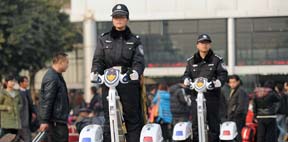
(90,39)
(231,45)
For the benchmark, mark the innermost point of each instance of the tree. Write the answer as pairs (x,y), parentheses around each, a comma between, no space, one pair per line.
(31,32)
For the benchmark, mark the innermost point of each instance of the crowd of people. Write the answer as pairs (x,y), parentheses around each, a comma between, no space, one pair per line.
(19,114)
(266,101)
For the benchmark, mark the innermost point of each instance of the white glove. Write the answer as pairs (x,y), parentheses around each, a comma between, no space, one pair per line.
(93,77)
(186,82)
(134,75)
(217,83)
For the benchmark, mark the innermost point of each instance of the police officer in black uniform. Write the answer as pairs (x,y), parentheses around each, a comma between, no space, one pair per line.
(119,47)
(206,64)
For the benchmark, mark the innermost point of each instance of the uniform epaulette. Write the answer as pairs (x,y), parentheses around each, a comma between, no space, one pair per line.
(219,57)
(103,34)
(190,58)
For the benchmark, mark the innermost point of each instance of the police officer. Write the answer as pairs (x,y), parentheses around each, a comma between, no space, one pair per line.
(119,47)
(206,64)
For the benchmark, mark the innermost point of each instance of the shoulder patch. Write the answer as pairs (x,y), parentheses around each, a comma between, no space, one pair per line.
(223,66)
(103,34)
(190,58)
(219,57)
(141,50)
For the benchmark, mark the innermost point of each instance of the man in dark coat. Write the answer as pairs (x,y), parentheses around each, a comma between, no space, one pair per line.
(54,102)
(237,102)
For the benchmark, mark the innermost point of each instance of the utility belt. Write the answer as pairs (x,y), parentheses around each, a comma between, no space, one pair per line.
(266,116)
(57,123)
(123,69)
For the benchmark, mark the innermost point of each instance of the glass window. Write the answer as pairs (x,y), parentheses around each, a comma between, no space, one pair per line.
(212,26)
(171,42)
(139,27)
(270,24)
(244,25)
(103,27)
(266,39)
(181,26)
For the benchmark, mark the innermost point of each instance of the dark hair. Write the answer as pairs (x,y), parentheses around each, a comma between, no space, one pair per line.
(22,79)
(59,57)
(269,84)
(163,86)
(280,87)
(236,77)
(8,78)
(93,90)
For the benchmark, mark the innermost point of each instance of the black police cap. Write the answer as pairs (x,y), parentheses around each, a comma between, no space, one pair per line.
(120,10)
(204,37)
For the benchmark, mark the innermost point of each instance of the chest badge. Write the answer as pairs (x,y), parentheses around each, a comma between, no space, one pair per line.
(195,65)
(130,43)
(108,41)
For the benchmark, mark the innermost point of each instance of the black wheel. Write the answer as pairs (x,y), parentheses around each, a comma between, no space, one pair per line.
(188,140)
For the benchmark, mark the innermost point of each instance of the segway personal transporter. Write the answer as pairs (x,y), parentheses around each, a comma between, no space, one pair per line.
(200,85)
(111,79)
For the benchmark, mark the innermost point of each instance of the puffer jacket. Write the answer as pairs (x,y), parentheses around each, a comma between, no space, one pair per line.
(179,106)
(163,98)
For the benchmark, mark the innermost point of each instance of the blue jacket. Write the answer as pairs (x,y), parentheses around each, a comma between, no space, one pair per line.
(164,106)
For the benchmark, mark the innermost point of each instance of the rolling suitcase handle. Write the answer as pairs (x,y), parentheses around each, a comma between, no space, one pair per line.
(39,136)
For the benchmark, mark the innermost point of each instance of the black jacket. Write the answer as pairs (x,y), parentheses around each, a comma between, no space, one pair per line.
(178,104)
(54,103)
(31,106)
(237,104)
(212,68)
(265,102)
(118,48)
(96,105)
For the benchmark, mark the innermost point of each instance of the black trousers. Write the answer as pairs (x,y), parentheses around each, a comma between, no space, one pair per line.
(130,99)
(166,131)
(267,130)
(58,132)
(240,123)
(213,118)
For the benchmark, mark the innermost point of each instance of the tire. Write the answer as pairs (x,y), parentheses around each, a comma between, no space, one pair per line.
(187,140)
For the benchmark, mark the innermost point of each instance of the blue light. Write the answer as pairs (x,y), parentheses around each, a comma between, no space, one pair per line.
(86,140)
(179,133)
